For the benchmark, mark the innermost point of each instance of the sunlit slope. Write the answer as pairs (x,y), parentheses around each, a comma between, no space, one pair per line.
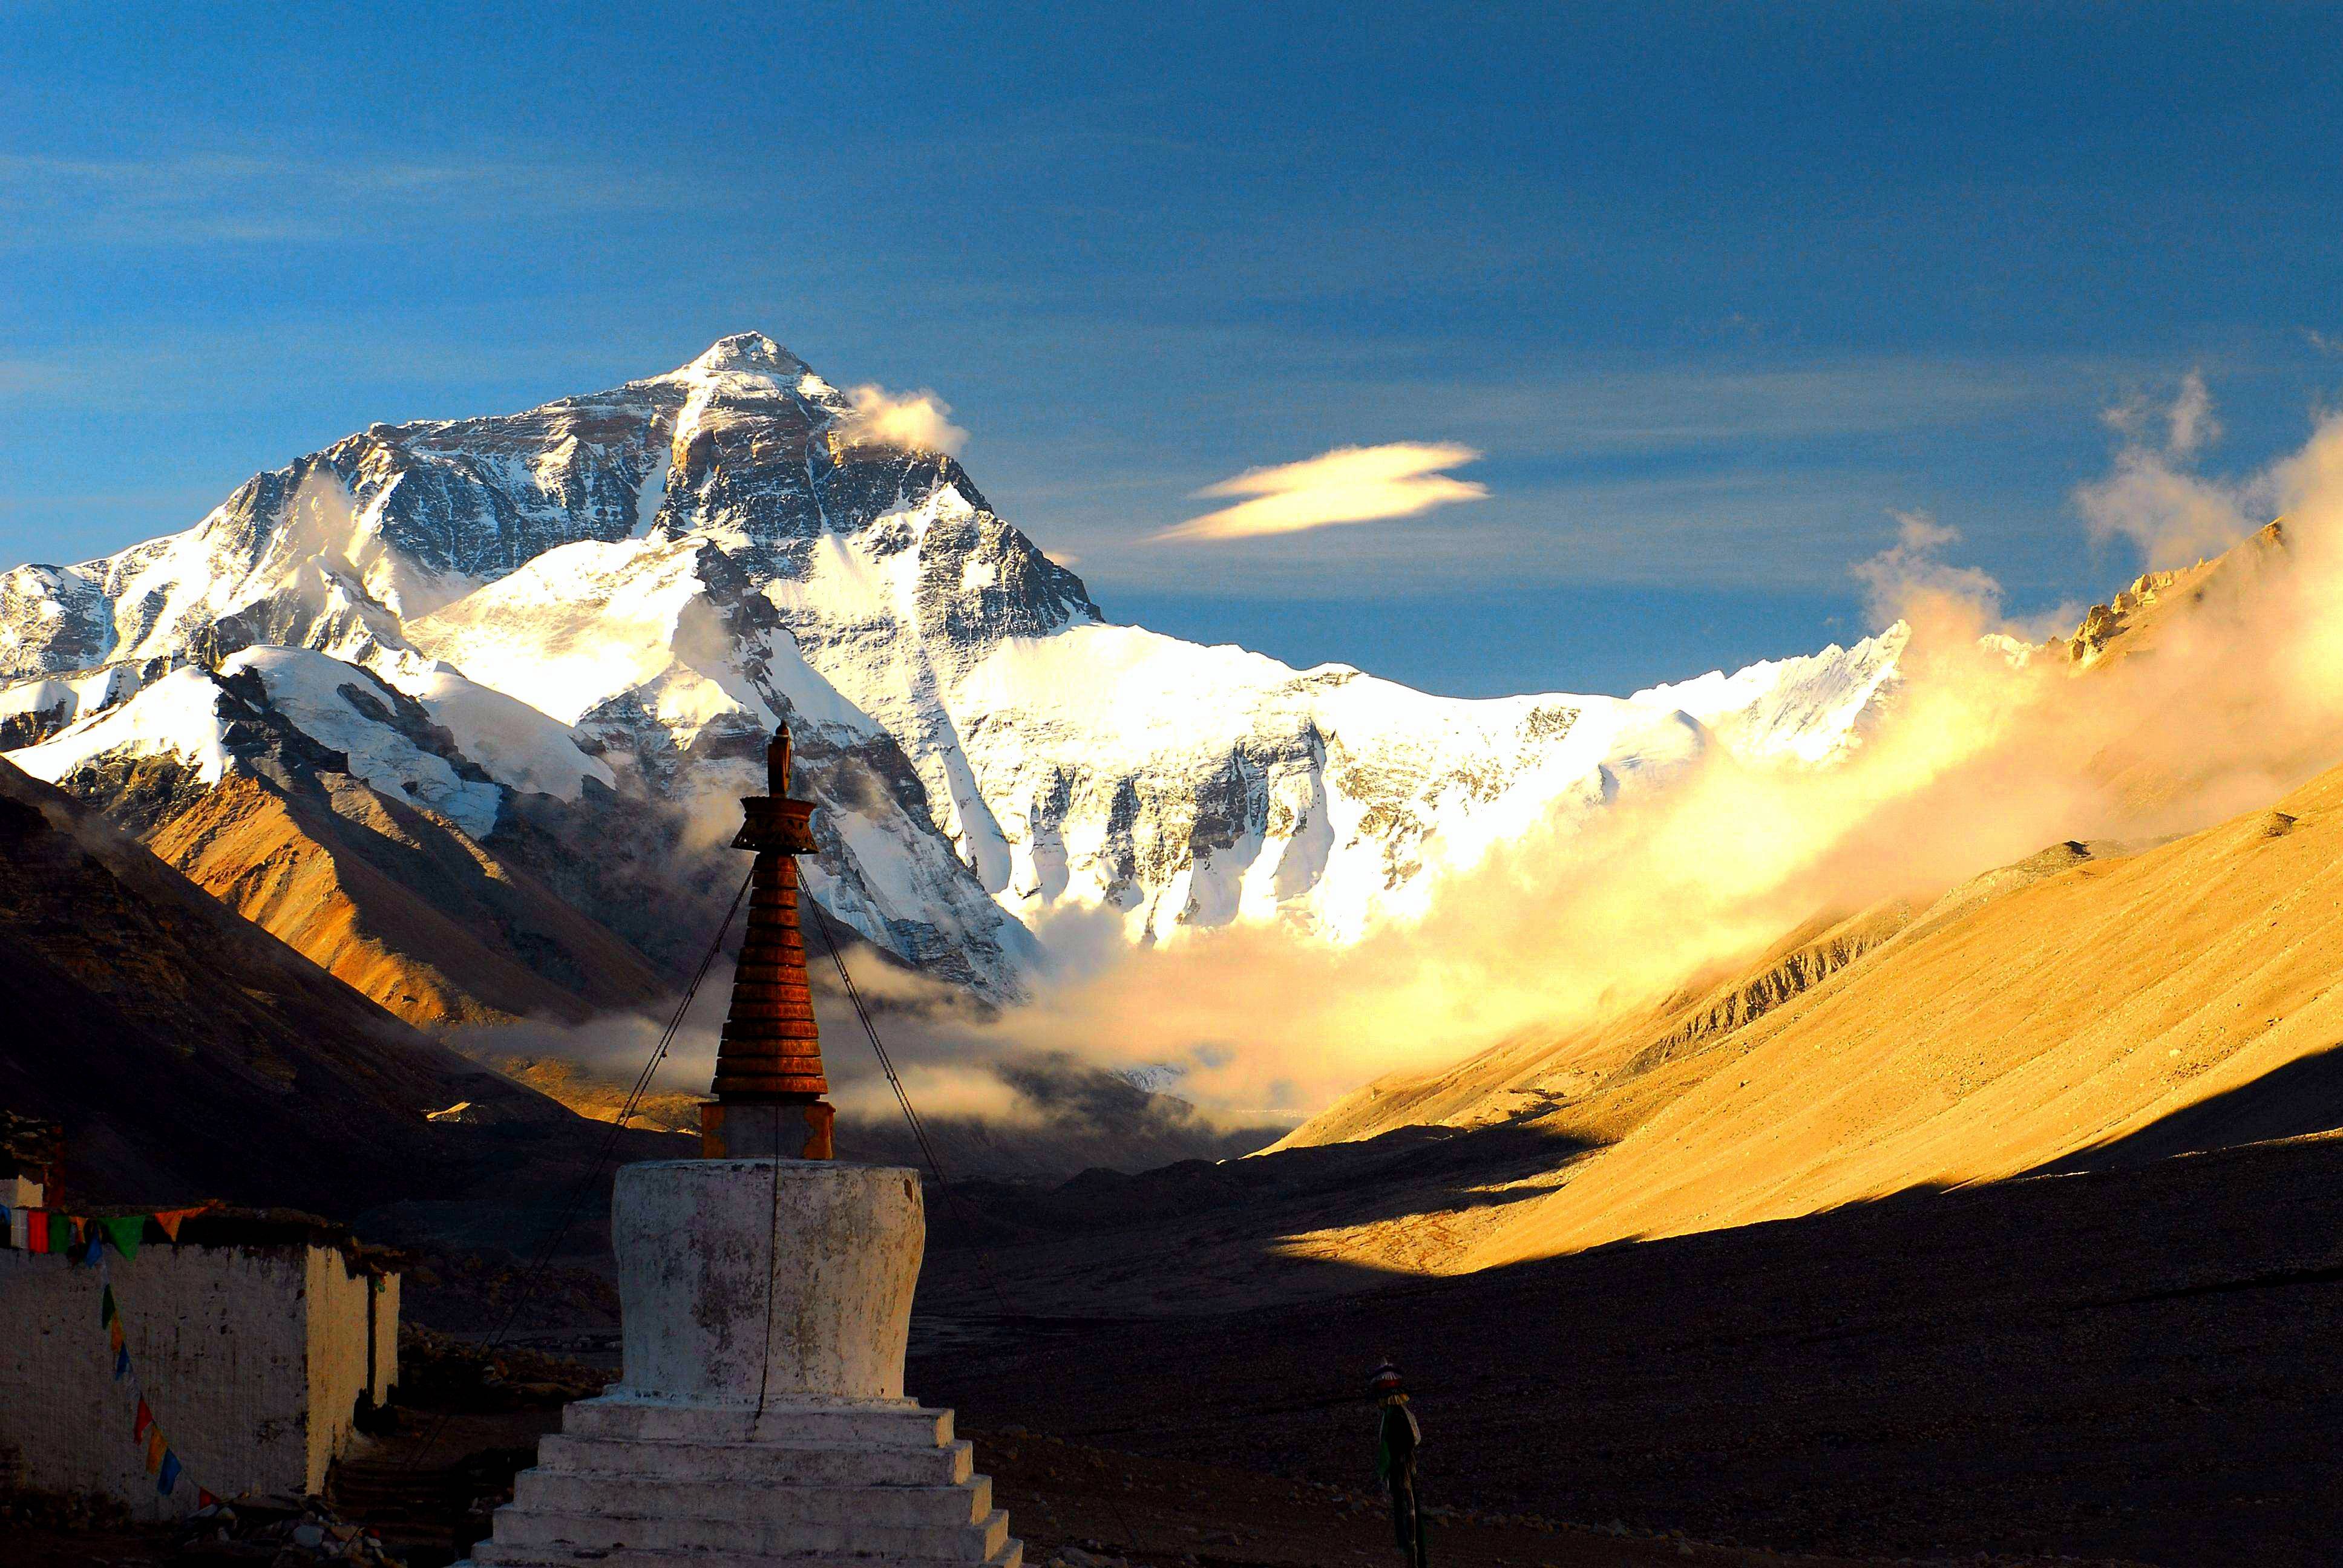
(2039,1009)
(435,928)
(1600,1081)
(2064,1014)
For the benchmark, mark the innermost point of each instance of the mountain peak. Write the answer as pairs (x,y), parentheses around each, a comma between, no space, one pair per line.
(745,354)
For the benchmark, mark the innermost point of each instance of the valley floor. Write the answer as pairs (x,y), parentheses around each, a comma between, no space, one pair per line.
(1114,1507)
(2137,1365)
(2118,1366)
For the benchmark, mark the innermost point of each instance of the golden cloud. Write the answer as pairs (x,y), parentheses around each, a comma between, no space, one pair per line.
(912,421)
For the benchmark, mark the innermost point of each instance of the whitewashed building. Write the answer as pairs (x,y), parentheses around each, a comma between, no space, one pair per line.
(254,1339)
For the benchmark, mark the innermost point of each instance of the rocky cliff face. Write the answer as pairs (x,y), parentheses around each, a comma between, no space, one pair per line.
(552,642)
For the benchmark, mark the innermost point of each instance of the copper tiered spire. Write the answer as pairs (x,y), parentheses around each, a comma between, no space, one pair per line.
(769,1083)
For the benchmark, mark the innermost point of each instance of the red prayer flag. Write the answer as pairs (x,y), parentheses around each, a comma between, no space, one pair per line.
(36,1230)
(145,1419)
(205,1499)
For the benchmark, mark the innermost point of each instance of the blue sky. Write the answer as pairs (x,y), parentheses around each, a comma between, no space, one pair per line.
(1712,288)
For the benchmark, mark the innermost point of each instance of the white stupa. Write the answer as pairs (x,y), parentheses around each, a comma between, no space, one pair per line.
(767,1301)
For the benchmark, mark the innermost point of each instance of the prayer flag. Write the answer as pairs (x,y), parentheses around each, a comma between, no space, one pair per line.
(114,1335)
(36,1230)
(124,1231)
(145,1419)
(170,1476)
(96,1251)
(60,1233)
(172,1218)
(8,1224)
(105,1306)
(121,1364)
(205,1499)
(154,1449)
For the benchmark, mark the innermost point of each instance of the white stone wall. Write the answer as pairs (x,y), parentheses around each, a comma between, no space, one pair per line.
(385,1339)
(252,1359)
(339,1335)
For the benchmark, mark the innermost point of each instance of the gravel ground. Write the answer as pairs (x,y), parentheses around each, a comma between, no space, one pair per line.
(2136,1364)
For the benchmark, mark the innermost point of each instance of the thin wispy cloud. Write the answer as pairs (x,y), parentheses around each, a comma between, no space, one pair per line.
(1913,569)
(2154,497)
(2187,421)
(228,198)
(1347,485)
(1639,405)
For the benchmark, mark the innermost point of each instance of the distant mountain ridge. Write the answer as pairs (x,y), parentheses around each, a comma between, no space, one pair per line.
(548,646)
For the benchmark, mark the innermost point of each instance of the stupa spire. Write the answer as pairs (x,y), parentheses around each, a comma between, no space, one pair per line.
(768,1064)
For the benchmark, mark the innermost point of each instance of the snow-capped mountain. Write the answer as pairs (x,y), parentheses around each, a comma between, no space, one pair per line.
(561,636)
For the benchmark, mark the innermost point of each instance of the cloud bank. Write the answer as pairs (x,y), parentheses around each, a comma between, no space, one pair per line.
(1992,748)
(1347,485)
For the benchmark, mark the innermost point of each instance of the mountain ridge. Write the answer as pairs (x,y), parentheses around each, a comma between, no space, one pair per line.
(581,620)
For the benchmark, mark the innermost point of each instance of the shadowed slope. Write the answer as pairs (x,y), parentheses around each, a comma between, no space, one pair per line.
(190,1054)
(379,892)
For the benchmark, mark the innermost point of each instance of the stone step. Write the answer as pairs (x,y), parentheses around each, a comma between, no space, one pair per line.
(802,1462)
(877,1424)
(731,1502)
(786,1539)
(490,1554)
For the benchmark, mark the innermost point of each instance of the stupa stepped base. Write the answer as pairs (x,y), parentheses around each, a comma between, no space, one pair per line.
(631,1483)
(1012,1556)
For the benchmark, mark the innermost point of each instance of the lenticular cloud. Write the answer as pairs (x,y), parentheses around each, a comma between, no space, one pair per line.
(1347,485)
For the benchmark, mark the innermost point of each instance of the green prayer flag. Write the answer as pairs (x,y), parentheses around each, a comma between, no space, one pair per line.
(124,1231)
(106,1307)
(60,1233)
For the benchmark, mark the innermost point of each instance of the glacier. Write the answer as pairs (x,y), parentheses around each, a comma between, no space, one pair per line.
(544,629)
